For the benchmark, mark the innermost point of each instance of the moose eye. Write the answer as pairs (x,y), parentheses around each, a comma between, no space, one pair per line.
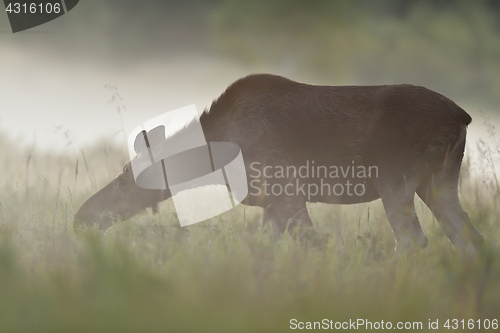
(120,182)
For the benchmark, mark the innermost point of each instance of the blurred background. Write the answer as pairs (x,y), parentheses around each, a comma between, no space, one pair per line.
(71,89)
(57,80)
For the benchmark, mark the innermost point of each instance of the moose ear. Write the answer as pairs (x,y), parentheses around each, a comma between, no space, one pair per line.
(156,136)
(153,138)
(140,143)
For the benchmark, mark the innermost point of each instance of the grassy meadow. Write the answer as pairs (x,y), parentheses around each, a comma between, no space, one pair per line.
(147,274)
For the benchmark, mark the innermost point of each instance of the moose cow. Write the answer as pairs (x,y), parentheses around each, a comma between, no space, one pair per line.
(412,137)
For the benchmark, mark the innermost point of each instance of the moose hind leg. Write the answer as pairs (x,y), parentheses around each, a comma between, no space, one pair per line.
(400,209)
(441,196)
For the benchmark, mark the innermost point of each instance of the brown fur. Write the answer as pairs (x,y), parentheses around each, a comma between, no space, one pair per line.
(414,136)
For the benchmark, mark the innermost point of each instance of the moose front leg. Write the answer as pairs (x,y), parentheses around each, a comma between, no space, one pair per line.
(293,216)
(270,217)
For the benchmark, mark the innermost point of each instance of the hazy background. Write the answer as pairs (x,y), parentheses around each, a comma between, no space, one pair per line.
(228,274)
(161,55)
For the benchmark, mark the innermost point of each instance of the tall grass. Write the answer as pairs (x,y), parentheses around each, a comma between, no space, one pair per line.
(147,274)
